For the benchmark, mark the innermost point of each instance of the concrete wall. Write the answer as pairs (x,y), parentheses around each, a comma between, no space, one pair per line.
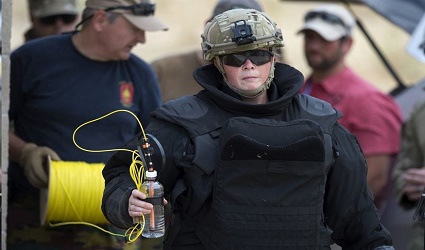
(5,64)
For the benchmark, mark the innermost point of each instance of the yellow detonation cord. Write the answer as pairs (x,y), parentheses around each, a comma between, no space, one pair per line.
(76,189)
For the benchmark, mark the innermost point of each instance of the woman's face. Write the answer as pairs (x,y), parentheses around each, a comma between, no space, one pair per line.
(247,70)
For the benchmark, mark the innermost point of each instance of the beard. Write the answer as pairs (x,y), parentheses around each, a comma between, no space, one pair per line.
(321,63)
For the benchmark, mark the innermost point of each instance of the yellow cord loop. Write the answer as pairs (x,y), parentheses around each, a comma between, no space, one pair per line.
(75,189)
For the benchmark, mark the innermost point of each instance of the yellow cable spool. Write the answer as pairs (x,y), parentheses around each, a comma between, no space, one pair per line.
(75,190)
(74,193)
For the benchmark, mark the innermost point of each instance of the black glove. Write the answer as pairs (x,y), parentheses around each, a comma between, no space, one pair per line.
(34,160)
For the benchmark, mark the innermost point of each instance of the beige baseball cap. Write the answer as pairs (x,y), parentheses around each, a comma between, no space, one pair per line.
(138,12)
(43,8)
(331,21)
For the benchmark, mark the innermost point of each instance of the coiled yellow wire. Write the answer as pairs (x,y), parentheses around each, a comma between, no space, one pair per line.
(76,189)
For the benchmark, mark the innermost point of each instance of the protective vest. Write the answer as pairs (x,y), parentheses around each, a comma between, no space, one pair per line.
(267,177)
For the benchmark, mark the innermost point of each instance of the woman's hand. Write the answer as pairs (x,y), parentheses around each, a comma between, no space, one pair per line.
(137,206)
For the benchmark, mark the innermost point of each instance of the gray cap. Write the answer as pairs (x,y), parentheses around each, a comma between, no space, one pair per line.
(43,8)
(224,5)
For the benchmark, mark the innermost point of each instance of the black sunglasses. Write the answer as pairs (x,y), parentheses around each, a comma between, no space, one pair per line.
(140,9)
(66,19)
(257,57)
(327,17)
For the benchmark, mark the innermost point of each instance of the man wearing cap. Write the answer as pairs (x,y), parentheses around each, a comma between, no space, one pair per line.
(373,116)
(51,17)
(61,82)
(175,71)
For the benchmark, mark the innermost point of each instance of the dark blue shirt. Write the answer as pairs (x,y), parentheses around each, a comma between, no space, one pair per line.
(55,89)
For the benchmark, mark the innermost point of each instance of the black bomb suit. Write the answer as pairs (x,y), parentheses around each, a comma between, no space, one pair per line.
(345,199)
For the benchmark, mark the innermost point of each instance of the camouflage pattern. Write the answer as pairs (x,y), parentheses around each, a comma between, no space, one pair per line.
(411,156)
(217,39)
(416,238)
(28,234)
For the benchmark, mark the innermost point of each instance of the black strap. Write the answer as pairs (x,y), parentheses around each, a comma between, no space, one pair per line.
(155,200)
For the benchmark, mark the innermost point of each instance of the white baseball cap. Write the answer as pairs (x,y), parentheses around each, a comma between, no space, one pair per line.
(331,21)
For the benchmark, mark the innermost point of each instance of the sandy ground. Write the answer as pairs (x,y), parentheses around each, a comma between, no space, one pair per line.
(186,19)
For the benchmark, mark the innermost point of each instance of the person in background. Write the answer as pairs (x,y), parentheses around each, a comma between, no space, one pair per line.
(175,72)
(373,116)
(409,171)
(248,162)
(91,73)
(51,17)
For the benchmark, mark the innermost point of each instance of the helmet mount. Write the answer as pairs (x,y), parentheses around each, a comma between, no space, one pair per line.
(242,33)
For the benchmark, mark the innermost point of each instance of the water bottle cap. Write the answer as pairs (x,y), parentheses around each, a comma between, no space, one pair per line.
(151,174)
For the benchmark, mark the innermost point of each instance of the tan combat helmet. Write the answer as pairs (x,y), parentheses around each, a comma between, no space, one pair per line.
(240,30)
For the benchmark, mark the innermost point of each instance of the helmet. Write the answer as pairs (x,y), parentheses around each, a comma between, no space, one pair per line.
(239,30)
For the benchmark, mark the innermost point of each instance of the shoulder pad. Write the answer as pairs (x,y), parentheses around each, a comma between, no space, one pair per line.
(187,107)
(316,106)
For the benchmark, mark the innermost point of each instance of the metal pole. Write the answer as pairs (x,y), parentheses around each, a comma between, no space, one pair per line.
(400,85)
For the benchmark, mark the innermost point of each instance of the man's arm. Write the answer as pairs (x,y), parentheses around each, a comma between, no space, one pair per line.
(410,159)
(15,146)
(378,172)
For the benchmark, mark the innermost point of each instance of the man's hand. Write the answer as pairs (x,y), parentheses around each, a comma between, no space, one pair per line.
(414,179)
(34,160)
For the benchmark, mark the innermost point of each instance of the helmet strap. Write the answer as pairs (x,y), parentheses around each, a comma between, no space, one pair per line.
(247,93)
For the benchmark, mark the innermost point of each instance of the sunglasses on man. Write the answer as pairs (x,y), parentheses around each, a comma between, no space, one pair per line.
(327,17)
(257,57)
(65,18)
(140,9)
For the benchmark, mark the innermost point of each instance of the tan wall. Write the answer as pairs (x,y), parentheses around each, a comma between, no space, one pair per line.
(187,17)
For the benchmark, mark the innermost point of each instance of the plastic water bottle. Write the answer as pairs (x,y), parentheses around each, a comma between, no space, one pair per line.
(154,222)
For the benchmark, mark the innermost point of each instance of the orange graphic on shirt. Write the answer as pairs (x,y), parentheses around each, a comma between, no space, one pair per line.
(126,94)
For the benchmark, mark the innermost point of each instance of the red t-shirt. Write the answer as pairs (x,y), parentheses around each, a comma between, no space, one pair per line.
(373,116)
